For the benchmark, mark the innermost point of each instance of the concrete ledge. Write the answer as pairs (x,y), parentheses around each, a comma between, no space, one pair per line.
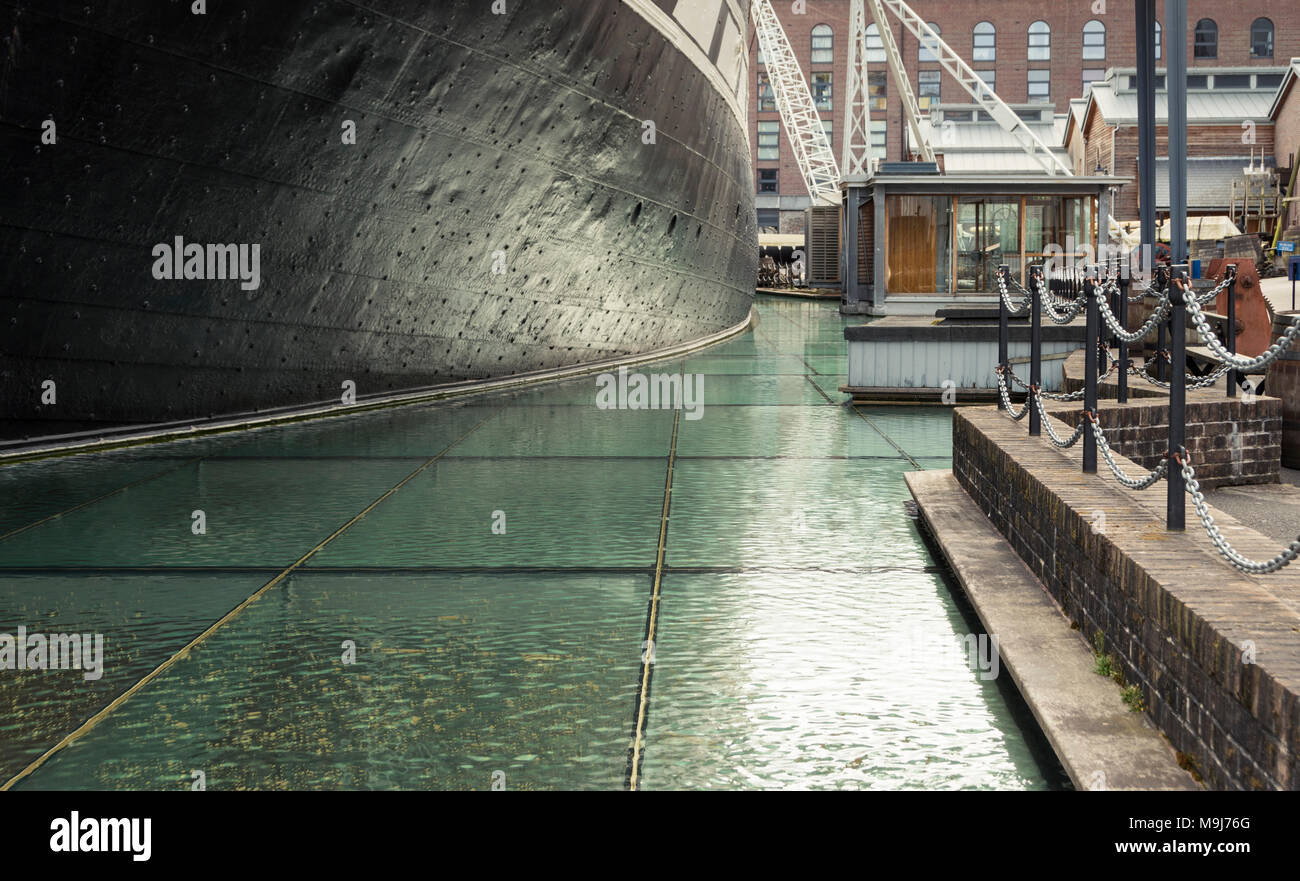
(1100,742)
(917,395)
(945,330)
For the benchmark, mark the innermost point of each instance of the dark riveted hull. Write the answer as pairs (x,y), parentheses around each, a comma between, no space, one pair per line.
(476,133)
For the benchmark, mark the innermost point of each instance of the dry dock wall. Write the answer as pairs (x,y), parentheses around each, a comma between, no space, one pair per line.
(1180,621)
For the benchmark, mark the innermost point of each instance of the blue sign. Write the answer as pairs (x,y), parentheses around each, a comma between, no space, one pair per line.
(1294,269)
(1285,247)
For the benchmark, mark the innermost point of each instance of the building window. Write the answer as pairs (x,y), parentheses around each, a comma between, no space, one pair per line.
(769,140)
(924,54)
(823,44)
(1232,81)
(928,88)
(1040,41)
(1261,38)
(767,180)
(1094,40)
(1040,87)
(919,238)
(877,89)
(1159,31)
(821,90)
(1206,43)
(875,45)
(1092,75)
(766,100)
(769,218)
(990,78)
(988,235)
(985,42)
(878,139)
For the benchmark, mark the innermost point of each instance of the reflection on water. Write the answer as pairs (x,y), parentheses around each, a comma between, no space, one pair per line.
(485,623)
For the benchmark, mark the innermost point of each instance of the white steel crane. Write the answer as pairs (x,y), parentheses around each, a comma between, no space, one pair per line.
(803,125)
(895,61)
(855,160)
(1003,115)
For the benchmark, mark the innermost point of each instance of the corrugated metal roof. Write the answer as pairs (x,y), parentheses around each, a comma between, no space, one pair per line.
(1078,106)
(1291,73)
(989,135)
(994,161)
(1209,182)
(983,147)
(1202,106)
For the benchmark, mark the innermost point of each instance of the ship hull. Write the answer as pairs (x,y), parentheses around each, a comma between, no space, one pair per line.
(505,207)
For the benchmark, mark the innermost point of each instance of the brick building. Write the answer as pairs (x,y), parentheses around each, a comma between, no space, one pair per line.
(1033,53)
(1285,114)
(1228,127)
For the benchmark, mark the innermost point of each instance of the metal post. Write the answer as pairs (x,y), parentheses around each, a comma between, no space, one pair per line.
(1035,350)
(849,246)
(1004,331)
(1090,376)
(1160,282)
(1121,315)
(1176,505)
(1231,274)
(1175,45)
(1146,97)
(1161,346)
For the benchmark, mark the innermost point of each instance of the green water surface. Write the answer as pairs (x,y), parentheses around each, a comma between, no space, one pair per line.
(487,620)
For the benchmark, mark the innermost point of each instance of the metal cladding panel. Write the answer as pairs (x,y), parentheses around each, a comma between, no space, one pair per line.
(483,142)
(823,225)
(925,364)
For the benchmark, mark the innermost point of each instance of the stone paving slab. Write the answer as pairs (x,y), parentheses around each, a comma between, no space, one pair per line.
(1100,742)
(1272,509)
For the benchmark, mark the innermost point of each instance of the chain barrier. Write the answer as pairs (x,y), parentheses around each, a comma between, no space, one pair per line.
(1063,312)
(1149,290)
(1013,310)
(1152,477)
(1051,432)
(1212,295)
(1006,398)
(1193,382)
(1160,314)
(1071,311)
(1051,303)
(1235,362)
(1245,564)
(1068,396)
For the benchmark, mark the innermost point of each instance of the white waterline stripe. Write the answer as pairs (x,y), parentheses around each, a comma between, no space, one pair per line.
(155,434)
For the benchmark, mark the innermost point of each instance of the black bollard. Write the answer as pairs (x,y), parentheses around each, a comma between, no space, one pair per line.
(1035,350)
(1161,347)
(1090,376)
(1004,332)
(1176,505)
(1231,274)
(1121,316)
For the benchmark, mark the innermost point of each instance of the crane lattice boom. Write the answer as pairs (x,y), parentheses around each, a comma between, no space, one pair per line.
(803,125)
(1003,115)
